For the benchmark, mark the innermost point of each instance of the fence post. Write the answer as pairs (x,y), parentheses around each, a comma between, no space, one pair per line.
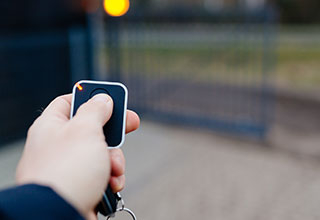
(79,62)
(95,44)
(113,44)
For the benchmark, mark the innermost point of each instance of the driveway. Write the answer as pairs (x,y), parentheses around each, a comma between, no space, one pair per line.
(185,173)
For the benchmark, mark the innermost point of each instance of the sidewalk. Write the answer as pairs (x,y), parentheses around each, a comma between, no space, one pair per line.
(182,173)
(175,173)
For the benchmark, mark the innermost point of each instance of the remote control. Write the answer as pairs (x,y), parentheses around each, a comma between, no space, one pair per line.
(114,130)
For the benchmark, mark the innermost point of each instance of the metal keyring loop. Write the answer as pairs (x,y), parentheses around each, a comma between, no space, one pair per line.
(122,209)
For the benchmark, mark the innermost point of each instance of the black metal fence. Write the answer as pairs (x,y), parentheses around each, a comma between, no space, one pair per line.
(205,70)
(34,70)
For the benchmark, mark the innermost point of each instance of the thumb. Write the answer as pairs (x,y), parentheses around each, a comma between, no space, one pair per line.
(97,110)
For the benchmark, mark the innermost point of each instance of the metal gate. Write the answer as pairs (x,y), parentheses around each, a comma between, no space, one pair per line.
(211,71)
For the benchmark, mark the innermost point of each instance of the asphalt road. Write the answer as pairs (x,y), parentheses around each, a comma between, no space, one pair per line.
(183,173)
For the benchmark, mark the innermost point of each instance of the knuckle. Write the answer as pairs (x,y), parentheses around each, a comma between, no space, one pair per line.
(60,98)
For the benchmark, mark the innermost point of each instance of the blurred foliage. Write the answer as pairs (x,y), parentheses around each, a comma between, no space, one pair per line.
(298,11)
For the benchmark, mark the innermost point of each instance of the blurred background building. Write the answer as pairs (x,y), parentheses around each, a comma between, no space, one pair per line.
(228,91)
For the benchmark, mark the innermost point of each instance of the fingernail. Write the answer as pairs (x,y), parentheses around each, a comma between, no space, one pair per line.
(102,98)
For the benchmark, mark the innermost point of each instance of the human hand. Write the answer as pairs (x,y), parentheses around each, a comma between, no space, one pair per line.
(71,156)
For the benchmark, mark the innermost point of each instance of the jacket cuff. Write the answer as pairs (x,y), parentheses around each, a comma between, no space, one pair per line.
(35,202)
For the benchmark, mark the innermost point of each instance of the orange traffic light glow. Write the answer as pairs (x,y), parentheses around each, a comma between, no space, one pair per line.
(116,8)
(79,87)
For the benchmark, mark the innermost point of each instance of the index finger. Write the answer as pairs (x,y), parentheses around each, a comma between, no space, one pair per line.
(60,107)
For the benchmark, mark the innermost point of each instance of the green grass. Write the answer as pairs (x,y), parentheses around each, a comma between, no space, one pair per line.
(296,66)
(230,64)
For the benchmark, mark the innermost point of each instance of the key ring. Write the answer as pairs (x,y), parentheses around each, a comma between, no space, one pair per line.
(122,209)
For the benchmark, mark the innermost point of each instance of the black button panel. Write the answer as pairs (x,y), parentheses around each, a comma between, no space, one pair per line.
(114,130)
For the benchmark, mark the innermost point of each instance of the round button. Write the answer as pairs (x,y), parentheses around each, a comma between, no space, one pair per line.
(98,91)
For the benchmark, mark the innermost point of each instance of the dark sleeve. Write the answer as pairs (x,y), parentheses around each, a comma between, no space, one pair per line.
(35,202)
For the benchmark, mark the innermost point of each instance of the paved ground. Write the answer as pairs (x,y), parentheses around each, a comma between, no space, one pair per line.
(175,173)
(9,157)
